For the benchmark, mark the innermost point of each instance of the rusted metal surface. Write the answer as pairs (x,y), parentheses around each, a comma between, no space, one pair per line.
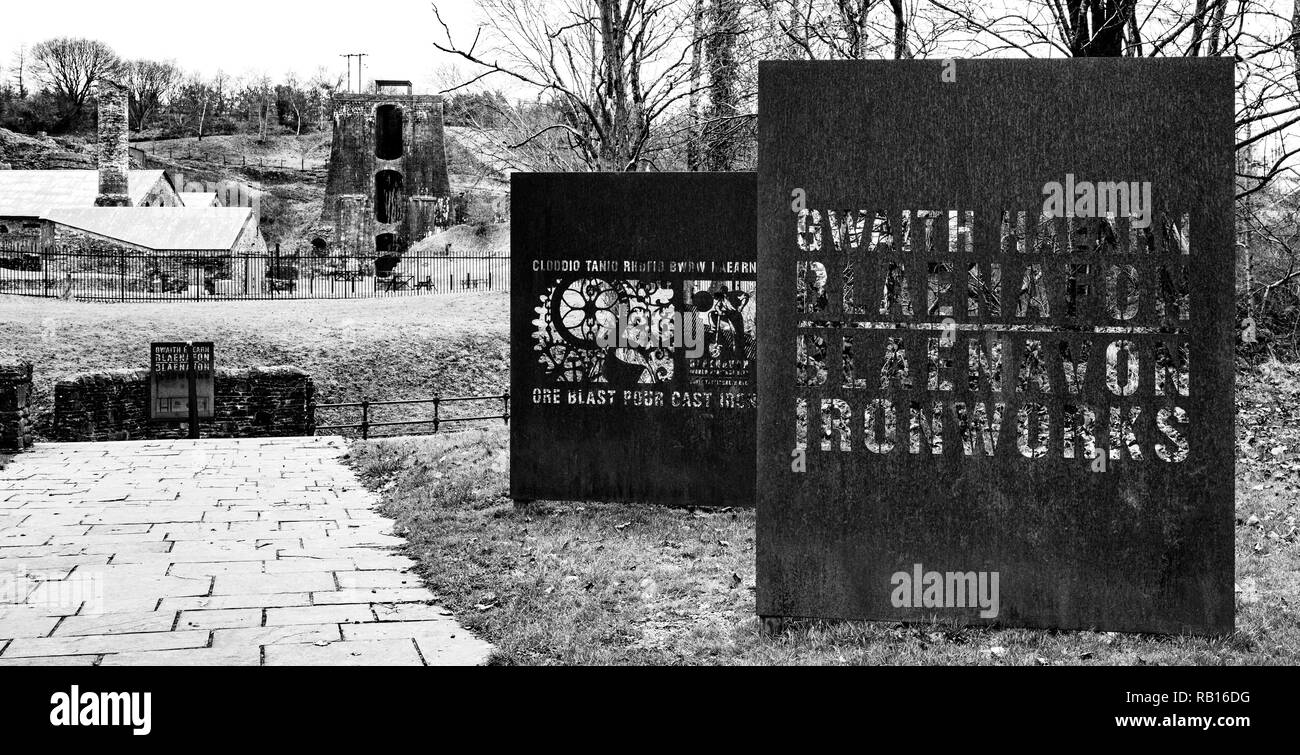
(598,419)
(990,402)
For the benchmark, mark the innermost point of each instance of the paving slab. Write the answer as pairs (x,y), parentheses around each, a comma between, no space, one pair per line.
(221,618)
(400,652)
(209,553)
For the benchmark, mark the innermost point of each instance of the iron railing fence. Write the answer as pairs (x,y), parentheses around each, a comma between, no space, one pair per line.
(372,414)
(28,269)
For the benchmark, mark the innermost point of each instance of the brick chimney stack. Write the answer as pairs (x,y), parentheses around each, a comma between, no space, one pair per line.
(114,148)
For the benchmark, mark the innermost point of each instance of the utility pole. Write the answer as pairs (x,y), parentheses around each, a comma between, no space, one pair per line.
(358,56)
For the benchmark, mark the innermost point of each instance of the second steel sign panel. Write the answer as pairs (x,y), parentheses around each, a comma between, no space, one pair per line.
(633,338)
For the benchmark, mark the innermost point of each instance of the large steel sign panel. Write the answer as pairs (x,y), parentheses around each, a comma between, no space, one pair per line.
(996,338)
(633,338)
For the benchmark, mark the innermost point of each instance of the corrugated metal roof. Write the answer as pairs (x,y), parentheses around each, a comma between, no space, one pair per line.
(31,193)
(163,228)
(199,199)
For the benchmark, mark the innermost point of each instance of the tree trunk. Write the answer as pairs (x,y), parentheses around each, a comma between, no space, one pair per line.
(1198,30)
(1135,41)
(1216,27)
(720,146)
(694,136)
(265,112)
(1295,37)
(615,154)
(900,31)
(796,41)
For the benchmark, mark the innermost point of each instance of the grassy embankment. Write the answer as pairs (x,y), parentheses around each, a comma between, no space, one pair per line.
(609,584)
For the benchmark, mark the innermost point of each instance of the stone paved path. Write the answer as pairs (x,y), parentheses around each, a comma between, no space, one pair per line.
(226,552)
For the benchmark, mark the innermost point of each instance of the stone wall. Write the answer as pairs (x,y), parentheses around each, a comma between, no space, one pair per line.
(15,408)
(163,194)
(67,238)
(250,403)
(251,240)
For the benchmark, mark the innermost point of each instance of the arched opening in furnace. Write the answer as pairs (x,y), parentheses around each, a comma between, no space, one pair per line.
(390,197)
(386,258)
(388,132)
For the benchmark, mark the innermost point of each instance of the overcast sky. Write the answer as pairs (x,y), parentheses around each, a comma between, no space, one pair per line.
(239,36)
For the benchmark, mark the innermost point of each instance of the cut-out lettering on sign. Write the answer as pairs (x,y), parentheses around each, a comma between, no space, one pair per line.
(996,342)
(634,340)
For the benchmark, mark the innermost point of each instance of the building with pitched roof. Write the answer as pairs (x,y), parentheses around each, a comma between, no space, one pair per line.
(139,208)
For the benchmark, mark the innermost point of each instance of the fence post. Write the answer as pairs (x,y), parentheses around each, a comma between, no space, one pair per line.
(436,418)
(505,398)
(365,419)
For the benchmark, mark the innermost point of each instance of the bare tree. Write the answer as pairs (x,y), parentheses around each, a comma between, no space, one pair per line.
(203,111)
(149,83)
(613,68)
(20,64)
(321,89)
(191,104)
(861,29)
(70,67)
(258,96)
(294,98)
(220,92)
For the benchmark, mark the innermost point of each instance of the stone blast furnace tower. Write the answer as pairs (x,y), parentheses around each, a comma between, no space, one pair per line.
(388,185)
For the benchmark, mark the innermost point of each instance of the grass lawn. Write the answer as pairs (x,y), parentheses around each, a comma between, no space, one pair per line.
(566,583)
(379,349)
